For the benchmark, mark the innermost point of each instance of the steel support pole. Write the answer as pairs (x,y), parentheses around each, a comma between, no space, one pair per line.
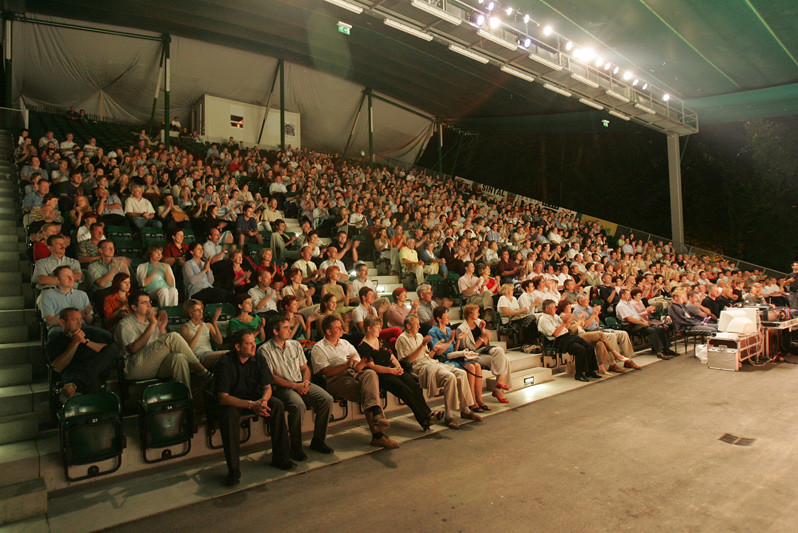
(282,105)
(440,147)
(167,40)
(675,179)
(371,125)
(354,124)
(268,101)
(7,66)
(157,90)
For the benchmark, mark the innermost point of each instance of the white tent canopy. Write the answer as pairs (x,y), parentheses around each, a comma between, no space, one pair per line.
(115,76)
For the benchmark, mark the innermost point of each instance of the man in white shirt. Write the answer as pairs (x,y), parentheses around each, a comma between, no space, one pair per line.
(264,298)
(140,211)
(331,254)
(472,288)
(553,327)
(43,271)
(362,279)
(348,378)
(310,274)
(657,337)
(292,385)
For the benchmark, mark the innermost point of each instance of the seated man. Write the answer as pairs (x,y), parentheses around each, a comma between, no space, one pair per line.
(473,290)
(247,226)
(331,259)
(101,272)
(618,339)
(713,301)
(264,298)
(89,249)
(657,337)
(44,270)
(362,279)
(311,275)
(408,256)
(551,325)
(686,322)
(64,296)
(348,377)
(427,254)
(435,377)
(83,359)
(35,198)
(292,385)
(243,383)
(139,210)
(426,307)
(215,248)
(150,351)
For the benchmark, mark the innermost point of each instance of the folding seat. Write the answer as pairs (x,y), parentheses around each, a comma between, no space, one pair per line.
(166,420)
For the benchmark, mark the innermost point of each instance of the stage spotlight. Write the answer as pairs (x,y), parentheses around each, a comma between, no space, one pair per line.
(607,65)
(494,22)
(599,62)
(569,46)
(547,31)
(588,54)
(476,18)
(628,75)
(634,83)
(509,11)
(577,53)
(526,19)
(666,97)
(645,86)
(615,70)
(490,6)
(524,42)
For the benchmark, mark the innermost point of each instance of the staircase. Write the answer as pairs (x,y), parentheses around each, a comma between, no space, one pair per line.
(23,380)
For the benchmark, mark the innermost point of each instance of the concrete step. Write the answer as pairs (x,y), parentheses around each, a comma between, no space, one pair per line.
(10,278)
(23,501)
(382,280)
(14,333)
(19,317)
(19,462)
(523,361)
(526,378)
(14,353)
(19,427)
(11,303)
(17,374)
(15,400)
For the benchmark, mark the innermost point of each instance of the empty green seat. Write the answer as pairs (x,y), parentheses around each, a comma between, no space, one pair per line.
(166,419)
(90,427)
(228,311)
(118,231)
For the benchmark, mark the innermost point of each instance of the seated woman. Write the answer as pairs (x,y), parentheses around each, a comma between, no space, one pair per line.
(473,336)
(265,263)
(519,318)
(115,304)
(242,272)
(171,215)
(443,344)
(246,319)
(156,278)
(367,308)
(174,253)
(391,375)
(399,309)
(198,333)
(198,278)
(333,274)
(289,307)
(606,354)
(329,303)
(303,294)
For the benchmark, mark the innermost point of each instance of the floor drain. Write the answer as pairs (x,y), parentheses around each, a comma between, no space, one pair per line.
(728,438)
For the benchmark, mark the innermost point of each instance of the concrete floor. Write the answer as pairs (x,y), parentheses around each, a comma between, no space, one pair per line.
(640,452)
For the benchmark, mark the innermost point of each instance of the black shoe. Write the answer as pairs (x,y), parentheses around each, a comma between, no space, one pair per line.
(593,374)
(581,377)
(663,356)
(233,477)
(320,446)
(671,353)
(298,455)
(283,464)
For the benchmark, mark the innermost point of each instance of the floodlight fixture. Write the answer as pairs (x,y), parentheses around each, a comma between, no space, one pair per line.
(607,65)
(666,97)
(468,53)
(408,29)
(524,42)
(438,12)
(526,18)
(494,22)
(543,61)
(476,18)
(569,46)
(619,115)
(591,103)
(547,30)
(634,83)
(617,96)
(615,70)
(628,75)
(644,87)
(556,89)
(517,73)
(349,6)
(641,107)
(485,34)
(582,79)
(577,53)
(490,6)
(588,54)
(599,62)
(509,11)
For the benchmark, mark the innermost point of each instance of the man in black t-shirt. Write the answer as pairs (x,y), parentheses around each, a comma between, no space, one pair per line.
(243,382)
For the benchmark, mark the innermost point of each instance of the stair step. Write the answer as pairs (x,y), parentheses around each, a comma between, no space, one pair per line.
(12,302)
(19,317)
(19,461)
(14,353)
(530,376)
(9,278)
(23,500)
(15,428)
(14,333)
(381,280)
(522,361)
(18,374)
(15,400)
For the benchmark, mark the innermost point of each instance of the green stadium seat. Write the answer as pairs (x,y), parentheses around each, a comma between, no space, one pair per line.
(118,231)
(228,311)
(90,429)
(166,419)
(175,314)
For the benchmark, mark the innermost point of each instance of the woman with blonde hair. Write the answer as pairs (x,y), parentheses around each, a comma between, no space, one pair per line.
(332,274)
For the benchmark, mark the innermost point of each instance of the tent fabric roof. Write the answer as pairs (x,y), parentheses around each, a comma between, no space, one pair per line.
(694,48)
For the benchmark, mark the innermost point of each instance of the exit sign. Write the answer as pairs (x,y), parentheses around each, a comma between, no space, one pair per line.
(344,28)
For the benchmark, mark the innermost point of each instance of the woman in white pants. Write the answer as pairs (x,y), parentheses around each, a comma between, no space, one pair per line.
(475,338)
(156,278)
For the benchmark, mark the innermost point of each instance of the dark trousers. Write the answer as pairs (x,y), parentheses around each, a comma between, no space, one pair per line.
(580,349)
(657,337)
(90,371)
(212,295)
(230,430)
(296,404)
(406,388)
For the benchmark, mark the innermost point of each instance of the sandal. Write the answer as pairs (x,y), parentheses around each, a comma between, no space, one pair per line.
(484,408)
(476,408)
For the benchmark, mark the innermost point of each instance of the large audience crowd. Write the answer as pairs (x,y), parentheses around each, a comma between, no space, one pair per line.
(303,331)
